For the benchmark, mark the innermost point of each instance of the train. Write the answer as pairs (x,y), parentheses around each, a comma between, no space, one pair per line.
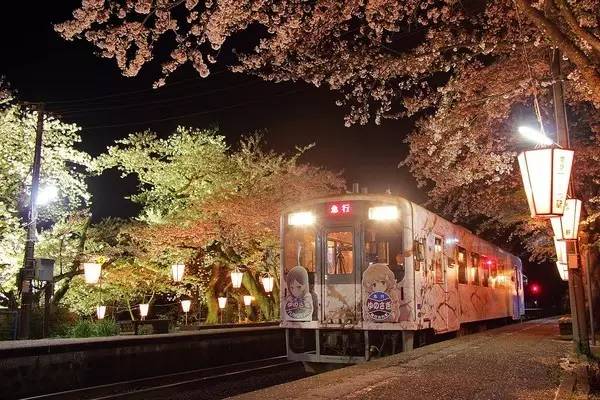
(366,275)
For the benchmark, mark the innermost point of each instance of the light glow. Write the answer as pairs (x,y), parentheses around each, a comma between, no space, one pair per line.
(302,218)
(91,272)
(222,302)
(100,312)
(144,308)
(546,174)
(535,136)
(236,278)
(177,271)
(268,281)
(383,213)
(186,305)
(46,195)
(567,226)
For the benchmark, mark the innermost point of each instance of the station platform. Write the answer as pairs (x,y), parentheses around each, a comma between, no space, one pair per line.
(518,361)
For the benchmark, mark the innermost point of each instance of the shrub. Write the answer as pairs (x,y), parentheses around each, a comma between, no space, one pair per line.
(86,328)
(107,327)
(145,330)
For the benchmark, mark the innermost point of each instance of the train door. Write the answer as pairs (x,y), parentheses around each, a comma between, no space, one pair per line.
(338,271)
(516,291)
(446,293)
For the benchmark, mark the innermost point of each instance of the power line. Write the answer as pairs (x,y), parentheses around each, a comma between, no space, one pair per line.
(148,121)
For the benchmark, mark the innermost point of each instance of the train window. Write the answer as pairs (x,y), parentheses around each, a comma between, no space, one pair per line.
(340,253)
(437,260)
(474,268)
(462,265)
(299,248)
(383,244)
(486,272)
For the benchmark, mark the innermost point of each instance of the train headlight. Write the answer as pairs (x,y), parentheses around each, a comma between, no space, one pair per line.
(302,218)
(384,213)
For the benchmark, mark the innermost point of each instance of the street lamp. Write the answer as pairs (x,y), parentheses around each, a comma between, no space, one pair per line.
(561,251)
(177,271)
(144,308)
(100,312)
(567,226)
(91,272)
(185,306)
(46,195)
(222,303)
(236,278)
(247,300)
(546,174)
(267,282)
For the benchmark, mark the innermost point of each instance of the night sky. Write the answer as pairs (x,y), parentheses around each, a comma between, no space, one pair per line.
(82,88)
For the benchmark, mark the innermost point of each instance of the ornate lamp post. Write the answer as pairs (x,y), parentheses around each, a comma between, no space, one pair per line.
(185,306)
(546,174)
(100,312)
(92,272)
(144,308)
(267,282)
(236,278)
(222,303)
(177,271)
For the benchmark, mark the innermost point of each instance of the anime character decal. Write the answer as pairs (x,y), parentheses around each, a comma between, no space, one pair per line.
(381,295)
(298,305)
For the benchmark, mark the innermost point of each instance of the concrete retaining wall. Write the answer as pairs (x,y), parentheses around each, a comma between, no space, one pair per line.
(35,367)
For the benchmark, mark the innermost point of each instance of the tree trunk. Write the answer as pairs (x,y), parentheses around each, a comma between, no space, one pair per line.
(212,316)
(263,302)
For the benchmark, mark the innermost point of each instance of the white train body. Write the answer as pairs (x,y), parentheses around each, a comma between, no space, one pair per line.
(361,272)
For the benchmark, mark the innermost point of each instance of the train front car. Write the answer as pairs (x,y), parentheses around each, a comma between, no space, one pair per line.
(347,278)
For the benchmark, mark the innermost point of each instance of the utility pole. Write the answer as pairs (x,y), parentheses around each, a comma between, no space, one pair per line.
(576,290)
(27,272)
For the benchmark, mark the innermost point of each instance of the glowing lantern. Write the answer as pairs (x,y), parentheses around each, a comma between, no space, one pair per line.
(567,226)
(100,311)
(222,302)
(91,272)
(177,271)
(144,308)
(267,282)
(561,251)
(301,218)
(247,300)
(186,305)
(546,174)
(563,271)
(236,278)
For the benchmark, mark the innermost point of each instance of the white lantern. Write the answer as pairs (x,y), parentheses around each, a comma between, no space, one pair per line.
(91,272)
(222,302)
(100,311)
(267,282)
(177,271)
(144,308)
(563,271)
(567,226)
(236,278)
(546,174)
(561,251)
(247,300)
(186,305)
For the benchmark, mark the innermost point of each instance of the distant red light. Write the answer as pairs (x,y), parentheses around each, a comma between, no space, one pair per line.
(534,288)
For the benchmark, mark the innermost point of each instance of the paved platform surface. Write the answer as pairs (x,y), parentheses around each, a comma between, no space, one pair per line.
(519,361)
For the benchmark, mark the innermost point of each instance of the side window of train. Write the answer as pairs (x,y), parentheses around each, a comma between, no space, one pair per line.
(474,268)
(462,264)
(300,247)
(383,244)
(438,251)
(486,272)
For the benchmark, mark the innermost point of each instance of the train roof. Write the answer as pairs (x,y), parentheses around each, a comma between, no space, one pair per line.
(384,198)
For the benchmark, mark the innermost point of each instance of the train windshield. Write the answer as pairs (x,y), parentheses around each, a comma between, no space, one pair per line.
(383,244)
(299,247)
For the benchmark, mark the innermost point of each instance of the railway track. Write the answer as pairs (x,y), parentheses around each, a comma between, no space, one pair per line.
(162,385)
